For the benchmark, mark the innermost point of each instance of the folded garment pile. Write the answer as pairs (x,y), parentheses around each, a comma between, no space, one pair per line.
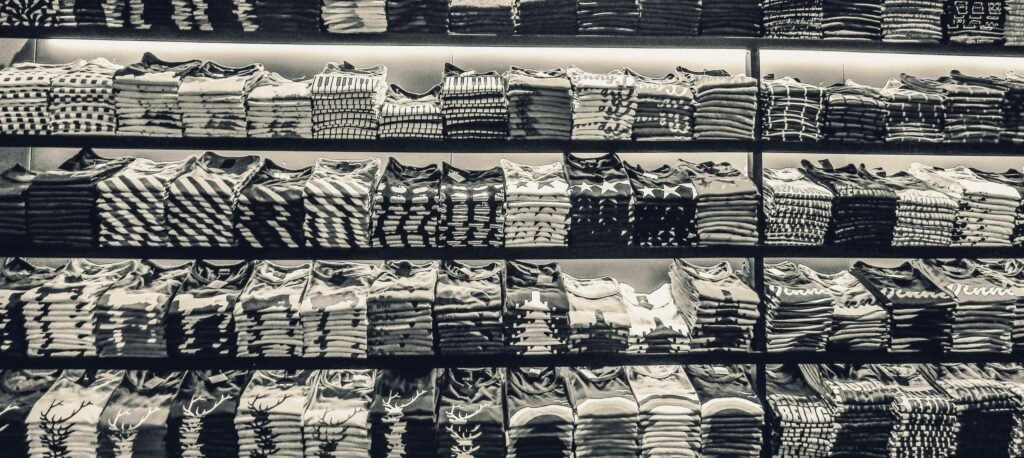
(664,108)
(271,212)
(797,210)
(130,205)
(272,401)
(852,19)
(471,207)
(199,318)
(664,17)
(82,99)
(859,404)
(399,308)
(25,89)
(792,110)
(726,106)
(473,104)
(480,16)
(855,113)
(924,215)
(801,422)
(406,206)
(972,114)
(14,184)
(554,17)
(536,309)
(731,18)
(719,308)
(212,99)
(539,104)
(537,204)
(354,16)
(471,326)
(598,315)
(201,202)
(664,206)
(656,323)
(605,424)
(974,22)
(914,116)
(858,320)
(600,194)
(333,310)
(347,101)
(987,210)
(146,96)
(407,114)
(912,21)
(921,313)
(961,279)
(417,16)
(733,431)
(607,17)
(338,201)
(279,107)
(863,209)
(604,105)
(130,316)
(266,314)
(470,412)
(799,309)
(727,202)
(798,19)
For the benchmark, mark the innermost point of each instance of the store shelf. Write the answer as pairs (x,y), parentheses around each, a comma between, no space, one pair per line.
(249,363)
(551,41)
(627,252)
(924,149)
(385,146)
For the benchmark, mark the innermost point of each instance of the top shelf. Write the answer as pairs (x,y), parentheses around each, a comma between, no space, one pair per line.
(561,41)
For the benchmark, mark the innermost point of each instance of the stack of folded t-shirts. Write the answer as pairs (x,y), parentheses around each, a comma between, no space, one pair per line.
(293,16)
(146,96)
(912,21)
(656,324)
(924,420)
(267,312)
(354,16)
(1013,27)
(600,194)
(665,17)
(130,204)
(269,416)
(607,17)
(1010,274)
(334,421)
(212,99)
(987,408)
(536,308)
(799,19)
(203,413)
(17,276)
(219,15)
(61,203)
(725,106)
(333,311)
(398,309)
(536,204)
(417,16)
(852,19)
(792,110)
(279,107)
(539,104)
(468,308)
(924,216)
(727,202)
(801,421)
(199,320)
(14,184)
(731,18)
(20,389)
(863,209)
(30,14)
(858,320)
(962,279)
(407,114)
(797,210)
(974,22)
(1015,179)
(480,16)
(470,416)
(720,309)
(604,105)
(799,309)
(271,211)
(60,318)
(406,206)
(731,414)
(401,416)
(914,116)
(347,101)
(152,14)
(972,114)
(130,317)
(664,108)
(1012,87)
(102,13)
(65,420)
(598,315)
(552,17)
(859,406)
(201,202)
(669,411)
(922,313)
(664,206)
(25,92)
(134,420)
(854,113)
(536,400)
(987,210)
(472,207)
(606,415)
(338,201)
(82,99)
(473,104)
